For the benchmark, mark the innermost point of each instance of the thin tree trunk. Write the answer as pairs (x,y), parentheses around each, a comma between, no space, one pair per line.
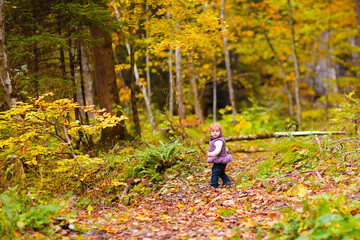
(198,110)
(180,101)
(358,35)
(296,65)
(36,70)
(80,93)
(62,54)
(328,67)
(72,66)
(133,93)
(123,83)
(171,85)
(4,70)
(214,91)
(147,59)
(87,79)
(286,84)
(227,62)
(136,73)
(171,79)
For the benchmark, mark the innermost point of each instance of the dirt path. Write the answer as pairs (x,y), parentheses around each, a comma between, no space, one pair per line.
(189,208)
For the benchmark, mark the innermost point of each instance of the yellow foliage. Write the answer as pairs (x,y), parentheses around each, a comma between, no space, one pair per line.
(43,134)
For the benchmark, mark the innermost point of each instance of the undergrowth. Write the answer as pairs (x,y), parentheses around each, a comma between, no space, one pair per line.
(21,214)
(321,217)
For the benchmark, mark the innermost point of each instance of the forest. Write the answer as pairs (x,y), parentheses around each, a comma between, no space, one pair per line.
(105,109)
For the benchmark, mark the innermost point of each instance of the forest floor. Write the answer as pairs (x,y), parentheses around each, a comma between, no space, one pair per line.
(188,208)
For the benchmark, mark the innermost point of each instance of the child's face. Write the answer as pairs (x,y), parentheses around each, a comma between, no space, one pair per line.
(215,133)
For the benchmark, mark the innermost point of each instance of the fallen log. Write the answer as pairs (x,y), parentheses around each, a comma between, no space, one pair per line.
(279,134)
(251,150)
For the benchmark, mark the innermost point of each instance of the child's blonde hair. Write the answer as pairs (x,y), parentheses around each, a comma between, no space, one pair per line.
(216,126)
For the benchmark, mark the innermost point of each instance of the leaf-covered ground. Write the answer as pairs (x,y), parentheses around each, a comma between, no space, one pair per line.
(188,208)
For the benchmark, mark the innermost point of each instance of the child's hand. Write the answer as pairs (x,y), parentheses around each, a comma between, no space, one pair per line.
(209,154)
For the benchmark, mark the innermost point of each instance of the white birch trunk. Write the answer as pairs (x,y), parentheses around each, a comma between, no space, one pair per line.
(137,78)
(180,101)
(4,72)
(87,79)
(296,65)
(227,62)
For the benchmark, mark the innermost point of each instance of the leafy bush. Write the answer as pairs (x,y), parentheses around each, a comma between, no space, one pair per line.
(252,120)
(322,217)
(18,213)
(347,115)
(38,143)
(289,154)
(154,161)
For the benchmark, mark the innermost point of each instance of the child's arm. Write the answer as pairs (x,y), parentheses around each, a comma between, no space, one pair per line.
(218,146)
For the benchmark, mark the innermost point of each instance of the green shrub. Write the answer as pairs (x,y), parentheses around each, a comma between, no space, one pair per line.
(19,213)
(322,217)
(295,151)
(154,161)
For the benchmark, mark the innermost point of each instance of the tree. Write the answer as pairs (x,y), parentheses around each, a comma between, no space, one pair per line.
(227,63)
(358,33)
(105,79)
(4,72)
(179,88)
(296,66)
(135,21)
(193,84)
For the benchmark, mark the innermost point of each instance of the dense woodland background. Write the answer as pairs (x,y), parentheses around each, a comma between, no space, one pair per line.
(106,101)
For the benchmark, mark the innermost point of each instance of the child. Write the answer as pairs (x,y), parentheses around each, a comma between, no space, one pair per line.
(218,155)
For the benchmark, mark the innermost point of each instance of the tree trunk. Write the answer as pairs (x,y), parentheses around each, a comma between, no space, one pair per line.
(147,60)
(282,71)
(214,91)
(80,84)
(88,90)
(133,93)
(137,77)
(180,101)
(280,134)
(171,80)
(171,85)
(122,84)
(105,81)
(4,72)
(296,65)
(62,54)
(227,62)
(358,35)
(198,110)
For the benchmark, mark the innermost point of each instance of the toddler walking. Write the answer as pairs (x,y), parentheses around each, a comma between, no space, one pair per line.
(218,155)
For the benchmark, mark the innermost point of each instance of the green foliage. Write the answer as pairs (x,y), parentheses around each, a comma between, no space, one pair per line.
(255,119)
(323,217)
(225,212)
(154,161)
(19,213)
(347,114)
(294,151)
(290,153)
